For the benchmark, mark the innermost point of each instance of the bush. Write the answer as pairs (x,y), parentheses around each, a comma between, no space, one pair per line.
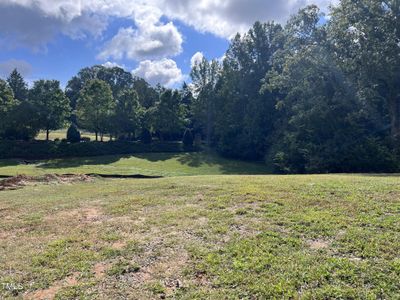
(146,136)
(188,139)
(85,139)
(73,134)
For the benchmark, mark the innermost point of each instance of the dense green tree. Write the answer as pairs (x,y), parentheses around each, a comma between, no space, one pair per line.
(18,85)
(167,116)
(205,77)
(117,79)
(128,113)
(323,125)
(7,103)
(147,95)
(365,36)
(95,107)
(51,105)
(245,117)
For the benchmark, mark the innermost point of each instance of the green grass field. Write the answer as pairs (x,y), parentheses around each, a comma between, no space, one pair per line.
(199,237)
(161,164)
(62,134)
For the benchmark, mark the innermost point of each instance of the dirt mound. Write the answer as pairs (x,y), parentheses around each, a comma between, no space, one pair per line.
(20,181)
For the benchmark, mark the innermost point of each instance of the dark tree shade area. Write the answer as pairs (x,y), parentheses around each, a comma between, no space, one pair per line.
(313,95)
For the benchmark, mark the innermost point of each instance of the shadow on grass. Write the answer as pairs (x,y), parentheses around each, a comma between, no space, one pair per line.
(193,160)
(103,160)
(81,161)
(9,163)
(225,165)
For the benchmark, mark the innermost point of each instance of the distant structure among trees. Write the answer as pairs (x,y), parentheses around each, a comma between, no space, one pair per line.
(315,95)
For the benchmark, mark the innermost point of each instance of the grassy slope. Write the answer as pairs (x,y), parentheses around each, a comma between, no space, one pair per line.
(164,164)
(214,237)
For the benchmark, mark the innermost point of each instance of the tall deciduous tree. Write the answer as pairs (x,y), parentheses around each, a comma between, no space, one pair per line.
(366,39)
(128,113)
(205,77)
(95,107)
(51,105)
(168,115)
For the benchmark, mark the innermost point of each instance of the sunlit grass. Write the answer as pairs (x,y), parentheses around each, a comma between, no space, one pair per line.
(204,237)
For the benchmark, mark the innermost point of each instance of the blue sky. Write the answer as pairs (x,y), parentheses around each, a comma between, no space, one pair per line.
(64,57)
(154,39)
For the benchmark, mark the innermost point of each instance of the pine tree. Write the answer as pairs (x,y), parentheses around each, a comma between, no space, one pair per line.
(18,85)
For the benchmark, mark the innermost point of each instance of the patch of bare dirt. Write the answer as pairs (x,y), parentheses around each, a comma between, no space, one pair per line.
(91,214)
(20,181)
(82,215)
(100,270)
(118,245)
(167,270)
(51,292)
(318,244)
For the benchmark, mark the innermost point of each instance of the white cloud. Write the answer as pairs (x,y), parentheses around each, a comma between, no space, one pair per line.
(23,67)
(149,41)
(34,23)
(227,17)
(164,72)
(110,65)
(196,58)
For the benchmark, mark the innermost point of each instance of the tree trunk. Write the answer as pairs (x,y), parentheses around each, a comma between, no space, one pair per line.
(395,117)
(97,136)
(47,134)
(101,137)
(209,125)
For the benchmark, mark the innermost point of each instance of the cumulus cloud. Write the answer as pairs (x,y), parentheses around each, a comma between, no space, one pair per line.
(149,41)
(23,67)
(196,58)
(110,65)
(225,18)
(33,23)
(164,72)
(30,24)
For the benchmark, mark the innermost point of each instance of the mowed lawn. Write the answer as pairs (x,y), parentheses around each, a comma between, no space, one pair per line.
(159,164)
(203,237)
(62,134)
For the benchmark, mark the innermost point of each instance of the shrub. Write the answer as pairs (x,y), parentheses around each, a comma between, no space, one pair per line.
(47,150)
(188,139)
(146,136)
(73,134)
(85,139)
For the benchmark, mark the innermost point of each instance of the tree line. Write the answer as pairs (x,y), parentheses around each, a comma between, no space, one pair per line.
(317,94)
(98,99)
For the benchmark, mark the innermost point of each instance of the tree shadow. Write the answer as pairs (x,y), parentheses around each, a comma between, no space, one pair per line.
(77,162)
(156,157)
(9,163)
(226,166)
